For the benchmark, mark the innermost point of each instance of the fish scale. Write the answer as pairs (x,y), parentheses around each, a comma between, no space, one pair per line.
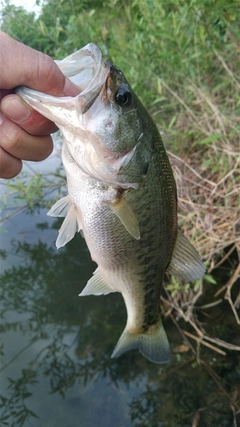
(121,196)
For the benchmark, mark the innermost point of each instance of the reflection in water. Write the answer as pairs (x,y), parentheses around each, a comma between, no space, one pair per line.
(56,365)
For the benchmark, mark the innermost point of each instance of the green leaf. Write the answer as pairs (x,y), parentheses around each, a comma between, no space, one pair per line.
(210,138)
(210,279)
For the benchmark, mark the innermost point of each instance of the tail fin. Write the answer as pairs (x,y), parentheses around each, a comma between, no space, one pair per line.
(153,344)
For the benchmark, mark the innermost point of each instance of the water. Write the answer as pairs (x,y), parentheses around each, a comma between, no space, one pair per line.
(56,347)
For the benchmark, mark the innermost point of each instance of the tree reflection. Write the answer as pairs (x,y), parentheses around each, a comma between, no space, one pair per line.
(75,336)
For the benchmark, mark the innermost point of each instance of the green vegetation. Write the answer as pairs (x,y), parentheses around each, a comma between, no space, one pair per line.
(182,58)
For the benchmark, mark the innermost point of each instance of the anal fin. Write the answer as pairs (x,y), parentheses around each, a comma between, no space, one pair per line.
(96,285)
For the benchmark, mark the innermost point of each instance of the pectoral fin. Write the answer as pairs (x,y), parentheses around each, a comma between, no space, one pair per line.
(96,285)
(72,222)
(124,212)
(186,262)
(61,207)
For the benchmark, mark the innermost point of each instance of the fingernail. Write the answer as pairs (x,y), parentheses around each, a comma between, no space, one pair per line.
(15,109)
(70,89)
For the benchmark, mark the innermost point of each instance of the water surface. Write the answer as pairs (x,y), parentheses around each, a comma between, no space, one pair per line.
(56,347)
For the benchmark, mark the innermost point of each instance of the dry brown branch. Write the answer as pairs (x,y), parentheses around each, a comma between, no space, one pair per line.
(224,258)
(212,304)
(220,58)
(223,344)
(189,318)
(179,99)
(204,343)
(228,296)
(232,399)
(196,419)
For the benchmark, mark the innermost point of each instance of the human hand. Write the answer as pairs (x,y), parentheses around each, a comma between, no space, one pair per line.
(24,133)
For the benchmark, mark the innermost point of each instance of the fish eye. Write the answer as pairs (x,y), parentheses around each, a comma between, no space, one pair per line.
(123,96)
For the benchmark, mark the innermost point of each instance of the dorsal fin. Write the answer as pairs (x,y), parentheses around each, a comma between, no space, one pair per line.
(186,262)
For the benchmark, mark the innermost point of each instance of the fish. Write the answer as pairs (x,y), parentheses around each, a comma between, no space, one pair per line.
(122,196)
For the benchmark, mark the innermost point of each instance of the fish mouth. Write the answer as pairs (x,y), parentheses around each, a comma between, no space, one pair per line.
(88,70)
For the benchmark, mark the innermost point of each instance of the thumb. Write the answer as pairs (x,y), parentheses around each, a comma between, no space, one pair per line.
(34,69)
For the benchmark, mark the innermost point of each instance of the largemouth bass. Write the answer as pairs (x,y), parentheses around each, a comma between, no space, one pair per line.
(121,195)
